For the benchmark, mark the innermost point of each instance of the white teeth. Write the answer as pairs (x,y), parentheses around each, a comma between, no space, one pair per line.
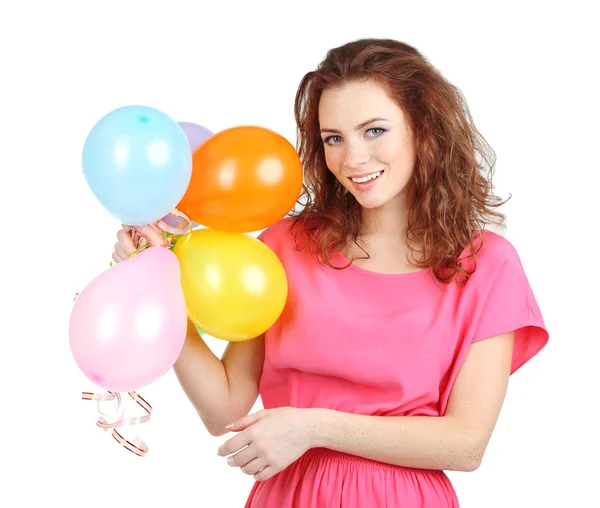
(367,178)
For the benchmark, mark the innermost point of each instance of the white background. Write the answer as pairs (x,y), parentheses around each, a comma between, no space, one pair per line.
(528,76)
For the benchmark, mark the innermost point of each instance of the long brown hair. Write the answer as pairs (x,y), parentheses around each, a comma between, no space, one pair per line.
(451,186)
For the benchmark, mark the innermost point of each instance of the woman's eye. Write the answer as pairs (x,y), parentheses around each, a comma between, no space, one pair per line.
(376,131)
(332,140)
(372,133)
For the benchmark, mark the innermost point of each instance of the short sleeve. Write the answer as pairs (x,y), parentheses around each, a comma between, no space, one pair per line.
(264,236)
(505,303)
(276,236)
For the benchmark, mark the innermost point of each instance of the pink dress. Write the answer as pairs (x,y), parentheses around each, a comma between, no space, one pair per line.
(387,345)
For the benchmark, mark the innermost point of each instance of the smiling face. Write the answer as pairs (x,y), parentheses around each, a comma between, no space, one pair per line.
(368,143)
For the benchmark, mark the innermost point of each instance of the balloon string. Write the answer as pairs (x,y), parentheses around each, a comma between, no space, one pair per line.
(176,232)
(136,445)
(180,229)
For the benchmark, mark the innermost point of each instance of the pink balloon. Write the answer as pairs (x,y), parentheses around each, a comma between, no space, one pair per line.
(129,324)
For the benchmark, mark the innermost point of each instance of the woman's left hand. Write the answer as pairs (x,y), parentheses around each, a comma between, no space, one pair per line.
(269,440)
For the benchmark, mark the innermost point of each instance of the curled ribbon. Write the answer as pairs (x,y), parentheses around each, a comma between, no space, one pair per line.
(140,244)
(136,445)
(183,228)
(179,229)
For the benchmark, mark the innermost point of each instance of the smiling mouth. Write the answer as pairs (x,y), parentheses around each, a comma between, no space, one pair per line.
(367,178)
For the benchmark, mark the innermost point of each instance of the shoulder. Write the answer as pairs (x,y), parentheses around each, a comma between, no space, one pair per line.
(496,249)
(489,248)
(278,234)
(285,239)
(495,257)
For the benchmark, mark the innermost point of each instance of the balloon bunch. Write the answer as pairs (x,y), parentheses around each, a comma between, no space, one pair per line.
(128,325)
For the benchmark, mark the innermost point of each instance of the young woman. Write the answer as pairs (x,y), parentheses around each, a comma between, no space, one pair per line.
(405,316)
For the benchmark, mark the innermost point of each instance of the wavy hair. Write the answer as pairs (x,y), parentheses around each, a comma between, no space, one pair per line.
(451,187)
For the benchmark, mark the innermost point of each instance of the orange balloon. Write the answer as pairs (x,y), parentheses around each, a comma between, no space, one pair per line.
(243,179)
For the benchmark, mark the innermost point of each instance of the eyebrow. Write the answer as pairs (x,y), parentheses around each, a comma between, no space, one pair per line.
(358,127)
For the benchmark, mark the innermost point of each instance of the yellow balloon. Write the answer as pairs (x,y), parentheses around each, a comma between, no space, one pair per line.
(235,287)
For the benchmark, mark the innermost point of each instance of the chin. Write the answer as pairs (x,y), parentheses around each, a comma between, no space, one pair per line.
(380,197)
(376,202)
(371,203)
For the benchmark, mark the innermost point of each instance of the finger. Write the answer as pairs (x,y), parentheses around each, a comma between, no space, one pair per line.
(235,444)
(246,421)
(149,233)
(159,231)
(125,243)
(266,473)
(124,231)
(121,251)
(254,467)
(243,457)
(116,258)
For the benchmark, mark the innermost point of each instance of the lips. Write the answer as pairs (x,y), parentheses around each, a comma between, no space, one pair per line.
(366,181)
(366,177)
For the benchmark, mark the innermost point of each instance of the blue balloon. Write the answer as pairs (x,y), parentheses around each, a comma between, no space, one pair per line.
(138,164)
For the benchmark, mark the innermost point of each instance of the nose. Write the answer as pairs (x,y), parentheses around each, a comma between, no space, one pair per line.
(356,156)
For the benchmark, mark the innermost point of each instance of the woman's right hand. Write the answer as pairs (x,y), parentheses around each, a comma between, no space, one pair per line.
(125,247)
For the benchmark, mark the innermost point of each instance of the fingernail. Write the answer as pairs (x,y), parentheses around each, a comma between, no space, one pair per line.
(230,426)
(230,461)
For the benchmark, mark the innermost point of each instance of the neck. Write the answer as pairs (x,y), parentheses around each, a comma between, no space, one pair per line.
(383,237)
(389,221)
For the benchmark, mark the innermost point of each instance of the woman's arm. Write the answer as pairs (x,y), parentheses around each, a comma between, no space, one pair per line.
(220,390)
(456,441)
(269,440)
